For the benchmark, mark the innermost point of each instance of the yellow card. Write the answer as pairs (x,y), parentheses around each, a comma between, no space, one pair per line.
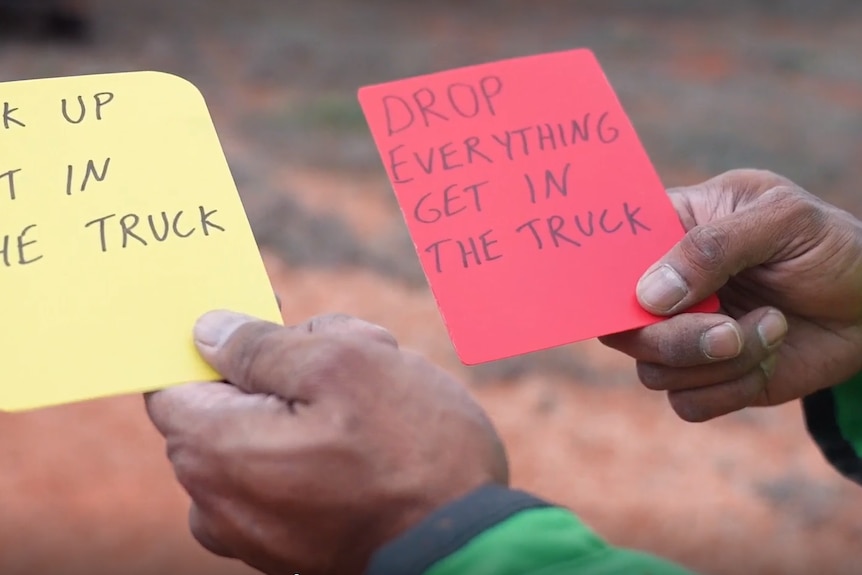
(120,224)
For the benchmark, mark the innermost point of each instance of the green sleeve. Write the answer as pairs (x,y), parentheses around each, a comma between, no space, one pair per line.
(834,419)
(498,531)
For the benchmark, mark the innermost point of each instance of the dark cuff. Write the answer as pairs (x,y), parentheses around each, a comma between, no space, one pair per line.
(449,529)
(821,419)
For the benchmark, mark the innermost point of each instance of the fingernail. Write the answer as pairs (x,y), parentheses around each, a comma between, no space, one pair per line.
(721,342)
(662,289)
(772,329)
(767,366)
(214,328)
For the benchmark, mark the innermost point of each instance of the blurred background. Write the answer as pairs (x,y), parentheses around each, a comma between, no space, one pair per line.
(709,85)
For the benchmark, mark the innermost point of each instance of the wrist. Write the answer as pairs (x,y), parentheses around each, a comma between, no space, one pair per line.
(449,528)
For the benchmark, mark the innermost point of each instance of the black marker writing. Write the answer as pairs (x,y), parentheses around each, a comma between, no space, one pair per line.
(472,251)
(455,101)
(167,226)
(406,165)
(8,119)
(558,231)
(552,182)
(101,100)
(448,156)
(528,140)
(89,172)
(206,224)
(10,178)
(633,221)
(455,199)
(554,226)
(142,230)
(20,242)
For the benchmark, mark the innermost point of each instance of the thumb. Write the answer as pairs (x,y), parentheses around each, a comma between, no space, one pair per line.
(242,349)
(257,356)
(710,253)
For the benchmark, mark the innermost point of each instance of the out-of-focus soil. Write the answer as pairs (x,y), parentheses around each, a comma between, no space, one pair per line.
(777,85)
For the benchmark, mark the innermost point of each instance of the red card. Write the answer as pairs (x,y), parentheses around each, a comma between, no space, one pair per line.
(531,202)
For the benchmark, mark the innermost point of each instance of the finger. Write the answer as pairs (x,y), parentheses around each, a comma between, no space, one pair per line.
(660,378)
(710,253)
(682,199)
(242,348)
(199,527)
(682,341)
(200,409)
(214,328)
(264,358)
(762,332)
(343,324)
(278,302)
(705,403)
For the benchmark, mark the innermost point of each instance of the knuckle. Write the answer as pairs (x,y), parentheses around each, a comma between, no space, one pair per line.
(189,467)
(788,202)
(804,208)
(672,350)
(796,209)
(206,532)
(254,356)
(652,376)
(749,183)
(342,352)
(382,335)
(200,532)
(339,323)
(756,179)
(198,460)
(686,406)
(787,199)
(324,321)
(767,177)
(345,421)
(339,358)
(783,195)
(705,247)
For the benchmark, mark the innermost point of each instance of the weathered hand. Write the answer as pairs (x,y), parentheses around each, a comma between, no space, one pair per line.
(328,441)
(787,268)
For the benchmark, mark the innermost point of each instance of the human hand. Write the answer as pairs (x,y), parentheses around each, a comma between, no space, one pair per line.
(787,268)
(327,442)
